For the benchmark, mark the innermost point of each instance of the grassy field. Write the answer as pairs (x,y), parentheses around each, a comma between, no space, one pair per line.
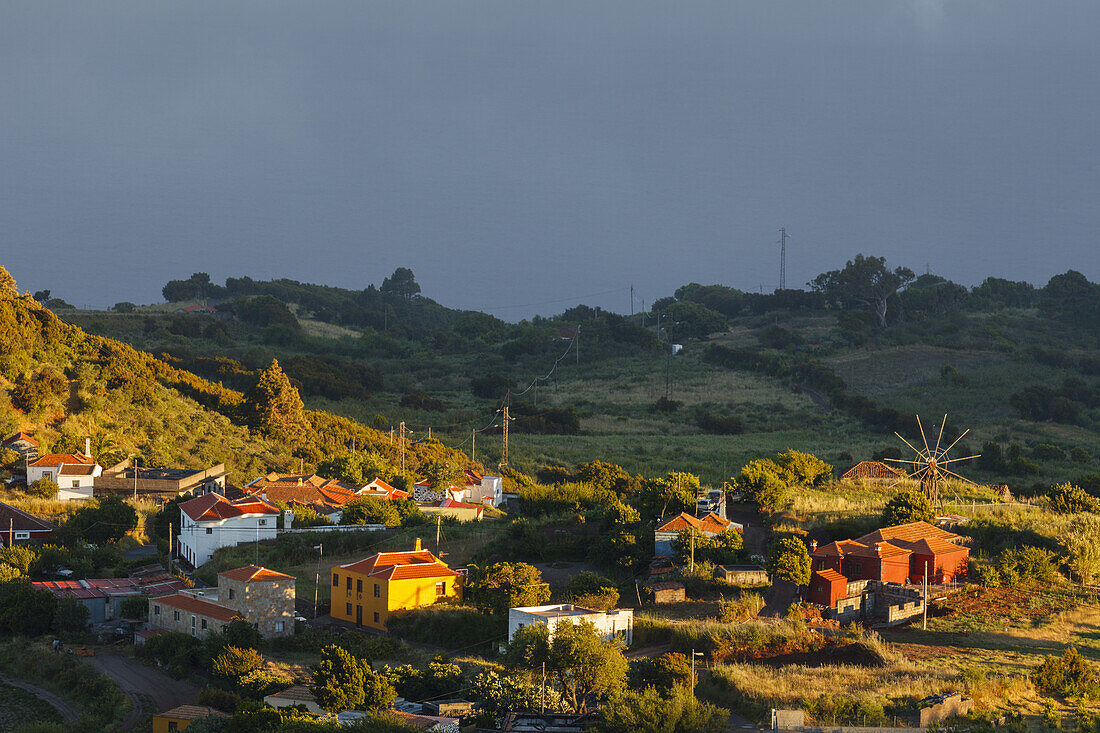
(19,708)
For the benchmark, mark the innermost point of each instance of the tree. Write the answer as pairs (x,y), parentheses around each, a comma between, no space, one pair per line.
(25,609)
(592,590)
(908,506)
(864,281)
(338,680)
(107,521)
(7,282)
(134,607)
(660,497)
(505,585)
(369,510)
(378,691)
(275,408)
(1082,543)
(70,616)
(1068,498)
(666,672)
(651,711)
(803,469)
(42,295)
(789,560)
(583,665)
(401,283)
(685,318)
(604,476)
(38,391)
(443,474)
(761,482)
(236,662)
(124,306)
(43,488)
(438,679)
(619,542)
(498,694)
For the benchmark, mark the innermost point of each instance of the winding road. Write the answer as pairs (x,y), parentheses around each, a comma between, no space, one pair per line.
(145,686)
(69,713)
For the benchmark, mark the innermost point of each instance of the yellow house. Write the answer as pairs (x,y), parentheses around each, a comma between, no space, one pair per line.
(366,592)
(179,718)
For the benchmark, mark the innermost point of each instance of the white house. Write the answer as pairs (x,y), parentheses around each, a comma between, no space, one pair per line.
(211,521)
(74,473)
(618,622)
(476,489)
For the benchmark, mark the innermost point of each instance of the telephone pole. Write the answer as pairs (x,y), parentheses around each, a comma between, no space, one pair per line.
(504,448)
(782,258)
(631,300)
(401,430)
(473,444)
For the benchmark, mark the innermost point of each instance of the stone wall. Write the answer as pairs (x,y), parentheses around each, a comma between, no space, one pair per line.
(171,618)
(268,604)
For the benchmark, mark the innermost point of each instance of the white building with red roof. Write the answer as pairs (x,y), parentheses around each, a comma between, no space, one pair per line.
(211,521)
(74,473)
(710,525)
(17,527)
(476,488)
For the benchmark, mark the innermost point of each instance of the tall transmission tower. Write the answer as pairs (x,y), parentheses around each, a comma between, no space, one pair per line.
(782,258)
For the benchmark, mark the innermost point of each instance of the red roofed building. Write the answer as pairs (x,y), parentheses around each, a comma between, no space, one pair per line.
(262,596)
(879,555)
(379,489)
(710,525)
(211,521)
(17,527)
(326,496)
(74,474)
(459,510)
(367,592)
(827,587)
(23,444)
(476,488)
(186,613)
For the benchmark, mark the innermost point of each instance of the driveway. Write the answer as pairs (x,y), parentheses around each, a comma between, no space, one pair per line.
(145,686)
(68,712)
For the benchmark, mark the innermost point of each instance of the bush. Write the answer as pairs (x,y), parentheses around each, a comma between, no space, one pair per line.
(714,424)
(223,700)
(745,607)
(1070,499)
(421,401)
(591,590)
(1027,563)
(1067,676)
(450,627)
(235,662)
(1077,454)
(368,510)
(908,506)
(1047,452)
(43,488)
(789,560)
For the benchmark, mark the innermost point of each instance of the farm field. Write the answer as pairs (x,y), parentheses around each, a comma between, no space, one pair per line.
(19,708)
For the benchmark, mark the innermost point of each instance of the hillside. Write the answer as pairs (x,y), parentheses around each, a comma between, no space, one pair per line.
(1014,364)
(63,385)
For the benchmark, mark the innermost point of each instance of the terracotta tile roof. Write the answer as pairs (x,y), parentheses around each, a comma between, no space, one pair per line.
(840,548)
(880,549)
(79,469)
(214,507)
(401,565)
(709,523)
(19,437)
(199,607)
(831,575)
(250,573)
(20,521)
(936,546)
(52,460)
(192,712)
(911,532)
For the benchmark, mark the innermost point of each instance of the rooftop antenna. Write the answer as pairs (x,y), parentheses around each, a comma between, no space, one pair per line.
(782,258)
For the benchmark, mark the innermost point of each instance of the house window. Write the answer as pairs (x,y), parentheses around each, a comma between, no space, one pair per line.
(376,617)
(156,610)
(349,611)
(209,530)
(278,627)
(377,591)
(76,483)
(349,584)
(22,535)
(359,585)
(440,588)
(204,624)
(173,726)
(335,580)
(192,626)
(263,522)
(177,615)
(232,593)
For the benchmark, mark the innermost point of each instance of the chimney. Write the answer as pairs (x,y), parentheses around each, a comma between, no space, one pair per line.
(813,545)
(416,547)
(299,480)
(88,447)
(878,549)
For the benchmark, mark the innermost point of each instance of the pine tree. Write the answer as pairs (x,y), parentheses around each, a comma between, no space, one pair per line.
(275,407)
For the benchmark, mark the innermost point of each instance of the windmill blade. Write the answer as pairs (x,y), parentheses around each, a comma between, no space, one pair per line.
(899,479)
(902,460)
(955,460)
(903,440)
(926,449)
(940,436)
(964,478)
(956,440)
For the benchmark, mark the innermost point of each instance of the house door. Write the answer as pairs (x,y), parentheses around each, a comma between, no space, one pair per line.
(358,615)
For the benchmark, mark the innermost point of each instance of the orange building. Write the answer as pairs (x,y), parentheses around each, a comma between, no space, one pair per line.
(366,592)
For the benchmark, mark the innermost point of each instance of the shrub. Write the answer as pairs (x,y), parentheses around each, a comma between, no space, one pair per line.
(1027,563)
(714,424)
(1047,452)
(908,506)
(789,560)
(223,700)
(43,488)
(1067,676)
(235,662)
(421,401)
(1077,454)
(1070,499)
(746,607)
(591,590)
(368,510)
(762,483)
(450,627)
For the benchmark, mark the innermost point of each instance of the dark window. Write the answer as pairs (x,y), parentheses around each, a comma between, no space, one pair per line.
(349,582)
(232,593)
(440,588)
(177,615)
(359,585)
(204,623)
(377,591)
(349,609)
(209,530)
(376,617)
(335,580)
(156,610)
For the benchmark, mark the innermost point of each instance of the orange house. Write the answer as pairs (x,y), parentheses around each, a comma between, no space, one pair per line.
(827,587)
(367,592)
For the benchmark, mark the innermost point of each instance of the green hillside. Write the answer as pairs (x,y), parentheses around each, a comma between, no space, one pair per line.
(813,370)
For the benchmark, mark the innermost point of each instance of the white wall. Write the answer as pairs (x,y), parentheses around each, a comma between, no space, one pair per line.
(608,624)
(197,544)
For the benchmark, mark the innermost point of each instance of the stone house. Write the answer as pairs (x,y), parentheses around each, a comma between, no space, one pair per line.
(265,598)
(187,614)
(669,591)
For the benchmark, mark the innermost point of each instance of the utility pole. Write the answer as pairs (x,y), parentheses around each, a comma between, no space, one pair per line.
(504,448)
(135,477)
(438,521)
(542,692)
(691,533)
(11,531)
(473,444)
(782,258)
(925,624)
(391,434)
(577,338)
(317,578)
(429,432)
(401,428)
(631,300)
(169,548)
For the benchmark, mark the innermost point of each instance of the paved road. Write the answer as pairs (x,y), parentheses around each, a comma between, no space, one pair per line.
(68,712)
(143,684)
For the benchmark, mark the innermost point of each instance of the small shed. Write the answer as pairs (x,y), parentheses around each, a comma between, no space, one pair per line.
(827,587)
(296,695)
(179,718)
(669,591)
(872,471)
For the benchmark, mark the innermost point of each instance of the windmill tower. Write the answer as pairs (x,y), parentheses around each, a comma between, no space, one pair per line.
(929,465)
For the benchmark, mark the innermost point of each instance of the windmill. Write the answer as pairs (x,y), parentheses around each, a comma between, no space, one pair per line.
(930,464)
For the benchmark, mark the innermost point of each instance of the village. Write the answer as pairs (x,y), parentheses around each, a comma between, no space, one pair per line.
(812,589)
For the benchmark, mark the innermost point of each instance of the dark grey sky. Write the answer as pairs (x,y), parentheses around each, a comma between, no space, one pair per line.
(524,156)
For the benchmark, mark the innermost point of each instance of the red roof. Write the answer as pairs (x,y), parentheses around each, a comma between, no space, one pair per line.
(401,565)
(839,548)
(20,437)
(80,469)
(880,549)
(199,607)
(936,546)
(51,460)
(911,532)
(215,507)
(250,573)
(305,489)
(830,575)
(20,521)
(708,523)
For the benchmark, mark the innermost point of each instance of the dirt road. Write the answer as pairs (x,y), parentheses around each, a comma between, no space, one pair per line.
(150,690)
(68,712)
